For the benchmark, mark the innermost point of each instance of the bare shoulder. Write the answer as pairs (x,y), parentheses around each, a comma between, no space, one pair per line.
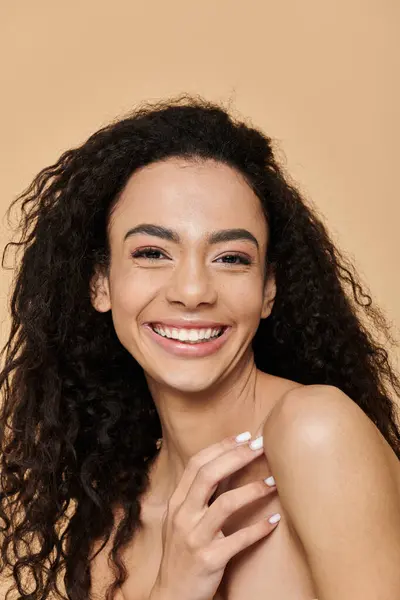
(274,390)
(329,459)
(322,415)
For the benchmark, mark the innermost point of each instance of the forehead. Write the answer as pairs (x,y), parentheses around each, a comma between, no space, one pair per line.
(190,197)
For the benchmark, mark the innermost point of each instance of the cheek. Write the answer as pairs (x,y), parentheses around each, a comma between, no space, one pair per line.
(128,299)
(130,291)
(247,300)
(245,303)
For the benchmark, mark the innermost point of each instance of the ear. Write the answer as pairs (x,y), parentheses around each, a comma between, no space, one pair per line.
(269,295)
(100,296)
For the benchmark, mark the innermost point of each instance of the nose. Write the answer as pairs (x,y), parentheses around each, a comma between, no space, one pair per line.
(192,284)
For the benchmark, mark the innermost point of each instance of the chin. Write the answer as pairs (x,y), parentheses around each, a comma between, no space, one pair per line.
(185,381)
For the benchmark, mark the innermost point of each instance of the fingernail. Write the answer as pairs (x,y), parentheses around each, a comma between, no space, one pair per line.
(275,518)
(270,481)
(257,443)
(243,437)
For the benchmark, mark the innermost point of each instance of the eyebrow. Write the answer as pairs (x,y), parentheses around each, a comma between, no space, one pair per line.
(215,237)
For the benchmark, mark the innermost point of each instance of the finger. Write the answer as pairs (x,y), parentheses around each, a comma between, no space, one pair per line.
(201,458)
(209,475)
(225,548)
(227,504)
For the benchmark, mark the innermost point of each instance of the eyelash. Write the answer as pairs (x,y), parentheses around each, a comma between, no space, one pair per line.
(141,254)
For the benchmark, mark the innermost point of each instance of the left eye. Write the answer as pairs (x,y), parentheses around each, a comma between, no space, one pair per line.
(242,259)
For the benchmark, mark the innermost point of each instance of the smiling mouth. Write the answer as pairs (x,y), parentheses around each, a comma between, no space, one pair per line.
(190,342)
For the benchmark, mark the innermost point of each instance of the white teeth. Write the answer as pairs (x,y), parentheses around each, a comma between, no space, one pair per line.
(184,335)
(193,335)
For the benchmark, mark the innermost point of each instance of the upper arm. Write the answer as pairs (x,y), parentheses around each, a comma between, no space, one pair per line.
(340,492)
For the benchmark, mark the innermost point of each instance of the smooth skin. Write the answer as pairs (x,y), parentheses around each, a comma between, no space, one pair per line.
(339,483)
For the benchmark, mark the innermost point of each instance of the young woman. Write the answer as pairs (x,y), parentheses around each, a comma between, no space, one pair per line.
(175,291)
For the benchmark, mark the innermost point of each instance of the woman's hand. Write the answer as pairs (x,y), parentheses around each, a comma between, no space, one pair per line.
(195,551)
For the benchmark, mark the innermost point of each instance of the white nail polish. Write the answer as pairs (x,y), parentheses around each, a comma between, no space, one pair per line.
(270,481)
(275,518)
(257,443)
(243,437)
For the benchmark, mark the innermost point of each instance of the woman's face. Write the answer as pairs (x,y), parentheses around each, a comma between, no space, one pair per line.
(186,279)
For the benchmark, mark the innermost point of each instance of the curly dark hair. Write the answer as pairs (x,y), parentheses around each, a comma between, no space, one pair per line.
(79,427)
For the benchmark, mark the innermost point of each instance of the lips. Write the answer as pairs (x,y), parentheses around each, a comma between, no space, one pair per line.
(185,349)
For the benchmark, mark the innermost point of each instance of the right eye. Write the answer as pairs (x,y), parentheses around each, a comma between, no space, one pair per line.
(146,253)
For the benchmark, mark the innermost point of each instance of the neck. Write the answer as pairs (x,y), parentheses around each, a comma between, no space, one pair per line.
(191,422)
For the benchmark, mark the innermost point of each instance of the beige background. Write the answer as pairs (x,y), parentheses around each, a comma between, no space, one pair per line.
(319,77)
